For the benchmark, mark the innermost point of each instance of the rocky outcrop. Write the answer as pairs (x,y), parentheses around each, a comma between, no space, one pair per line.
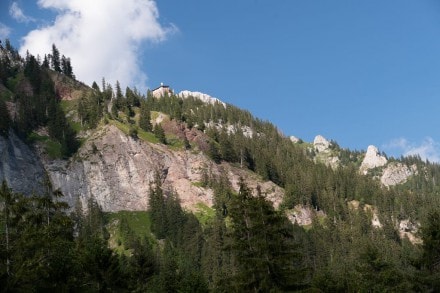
(201,96)
(372,160)
(372,210)
(231,128)
(303,215)
(324,152)
(294,139)
(408,229)
(397,173)
(321,144)
(66,88)
(20,166)
(117,170)
(375,222)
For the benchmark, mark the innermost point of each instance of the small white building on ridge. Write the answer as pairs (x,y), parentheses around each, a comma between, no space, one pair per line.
(161,91)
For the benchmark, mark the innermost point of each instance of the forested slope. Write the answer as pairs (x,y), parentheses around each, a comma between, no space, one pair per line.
(241,242)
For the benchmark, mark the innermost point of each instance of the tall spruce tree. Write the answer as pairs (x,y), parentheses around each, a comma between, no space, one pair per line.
(55,59)
(263,246)
(160,133)
(430,233)
(145,117)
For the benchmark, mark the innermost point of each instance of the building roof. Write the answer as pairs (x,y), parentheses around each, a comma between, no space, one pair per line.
(162,86)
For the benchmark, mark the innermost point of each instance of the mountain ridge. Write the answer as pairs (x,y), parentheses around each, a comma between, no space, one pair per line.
(323,217)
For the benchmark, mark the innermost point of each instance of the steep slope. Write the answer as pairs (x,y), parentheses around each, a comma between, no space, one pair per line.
(117,170)
(19,166)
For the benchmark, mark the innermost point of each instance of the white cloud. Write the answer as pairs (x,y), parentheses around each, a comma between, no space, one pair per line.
(428,149)
(102,37)
(17,13)
(4,31)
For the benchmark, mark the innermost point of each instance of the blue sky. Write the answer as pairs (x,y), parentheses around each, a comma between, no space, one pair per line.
(358,72)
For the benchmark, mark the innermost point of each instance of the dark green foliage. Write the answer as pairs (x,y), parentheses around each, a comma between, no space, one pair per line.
(263,246)
(55,59)
(37,243)
(133,97)
(45,62)
(141,266)
(227,150)
(36,101)
(9,62)
(145,117)
(66,67)
(33,72)
(90,108)
(167,216)
(60,130)
(179,268)
(430,259)
(100,269)
(157,209)
(431,241)
(160,133)
(213,152)
(5,121)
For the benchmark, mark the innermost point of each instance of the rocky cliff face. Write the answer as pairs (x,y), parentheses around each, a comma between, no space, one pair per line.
(20,166)
(324,152)
(397,173)
(372,159)
(117,170)
(321,144)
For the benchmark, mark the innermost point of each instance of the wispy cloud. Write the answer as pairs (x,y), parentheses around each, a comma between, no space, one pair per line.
(103,38)
(4,31)
(17,13)
(428,149)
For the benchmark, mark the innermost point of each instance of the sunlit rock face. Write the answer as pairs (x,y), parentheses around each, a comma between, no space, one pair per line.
(201,96)
(397,173)
(321,144)
(372,159)
(117,171)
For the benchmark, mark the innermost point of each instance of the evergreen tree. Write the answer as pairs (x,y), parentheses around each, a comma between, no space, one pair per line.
(45,62)
(145,118)
(262,245)
(5,122)
(66,67)
(90,107)
(132,97)
(37,244)
(226,148)
(216,261)
(60,130)
(55,59)
(141,265)
(95,86)
(156,205)
(160,133)
(118,90)
(33,72)
(213,152)
(430,233)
